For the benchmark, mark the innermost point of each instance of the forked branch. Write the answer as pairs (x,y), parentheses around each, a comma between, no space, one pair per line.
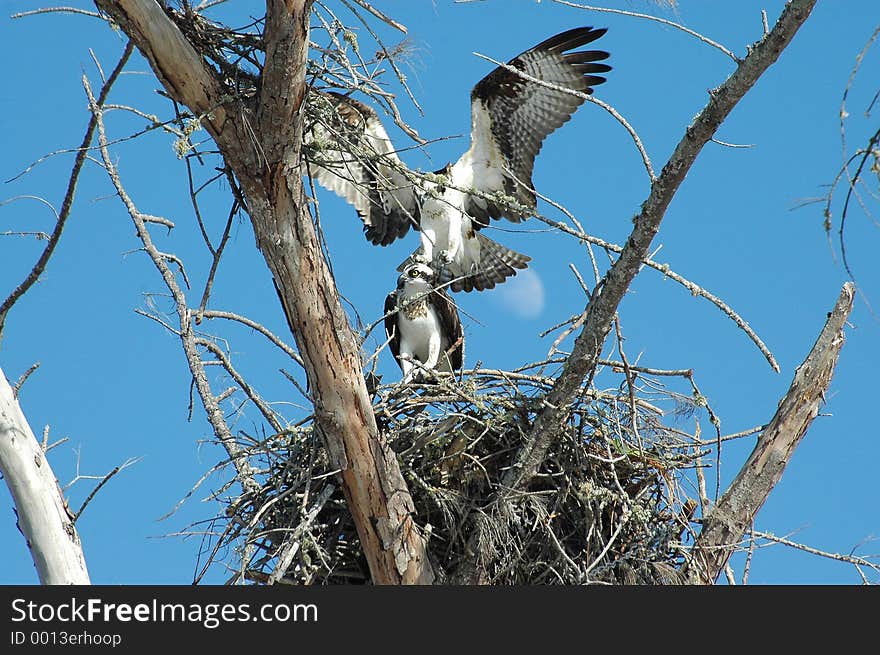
(67,203)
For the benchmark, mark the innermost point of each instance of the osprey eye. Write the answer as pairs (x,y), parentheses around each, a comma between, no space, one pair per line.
(414,272)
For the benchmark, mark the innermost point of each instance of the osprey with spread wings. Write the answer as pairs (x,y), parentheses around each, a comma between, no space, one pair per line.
(349,152)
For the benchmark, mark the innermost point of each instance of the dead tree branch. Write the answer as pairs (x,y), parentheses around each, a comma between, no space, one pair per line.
(67,203)
(547,428)
(260,140)
(694,288)
(731,517)
(858,562)
(664,21)
(44,518)
(603,304)
(185,331)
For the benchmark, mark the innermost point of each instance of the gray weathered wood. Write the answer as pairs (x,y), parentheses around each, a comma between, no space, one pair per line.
(602,306)
(728,520)
(261,143)
(43,516)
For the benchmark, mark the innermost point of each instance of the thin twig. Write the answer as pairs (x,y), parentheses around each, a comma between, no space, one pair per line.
(67,203)
(677,26)
(24,376)
(378,14)
(849,559)
(104,480)
(214,413)
(62,10)
(244,320)
(692,287)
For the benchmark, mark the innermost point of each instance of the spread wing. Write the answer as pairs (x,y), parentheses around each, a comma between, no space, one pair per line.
(348,152)
(511,116)
(391,329)
(451,326)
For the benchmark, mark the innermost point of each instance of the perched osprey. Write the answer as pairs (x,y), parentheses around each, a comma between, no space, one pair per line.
(349,152)
(422,323)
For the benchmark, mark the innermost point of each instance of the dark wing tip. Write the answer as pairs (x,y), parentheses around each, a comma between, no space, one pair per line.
(593,80)
(585,56)
(390,301)
(583,61)
(384,235)
(592,68)
(456,357)
(376,236)
(391,326)
(572,38)
(378,232)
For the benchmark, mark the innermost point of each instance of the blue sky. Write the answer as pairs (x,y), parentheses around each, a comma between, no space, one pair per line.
(116,384)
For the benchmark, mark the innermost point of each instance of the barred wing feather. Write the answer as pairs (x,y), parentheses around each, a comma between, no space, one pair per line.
(348,152)
(511,116)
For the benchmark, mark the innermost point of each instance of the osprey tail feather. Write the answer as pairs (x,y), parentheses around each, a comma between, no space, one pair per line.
(497,263)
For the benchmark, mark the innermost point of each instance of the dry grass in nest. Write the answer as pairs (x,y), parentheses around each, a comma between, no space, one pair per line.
(606,507)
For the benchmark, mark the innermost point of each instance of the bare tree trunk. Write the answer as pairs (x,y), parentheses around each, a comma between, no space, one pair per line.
(261,143)
(43,516)
(728,520)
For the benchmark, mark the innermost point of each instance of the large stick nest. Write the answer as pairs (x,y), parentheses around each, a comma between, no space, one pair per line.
(606,507)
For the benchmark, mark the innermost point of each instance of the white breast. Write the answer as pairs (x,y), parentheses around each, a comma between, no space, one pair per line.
(415,334)
(434,220)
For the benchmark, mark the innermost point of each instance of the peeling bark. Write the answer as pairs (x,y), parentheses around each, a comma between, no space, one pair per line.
(728,520)
(262,145)
(43,516)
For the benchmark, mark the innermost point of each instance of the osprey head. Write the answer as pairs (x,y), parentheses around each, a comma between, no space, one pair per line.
(416,277)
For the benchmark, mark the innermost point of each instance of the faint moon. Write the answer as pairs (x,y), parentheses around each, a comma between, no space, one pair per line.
(523,294)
